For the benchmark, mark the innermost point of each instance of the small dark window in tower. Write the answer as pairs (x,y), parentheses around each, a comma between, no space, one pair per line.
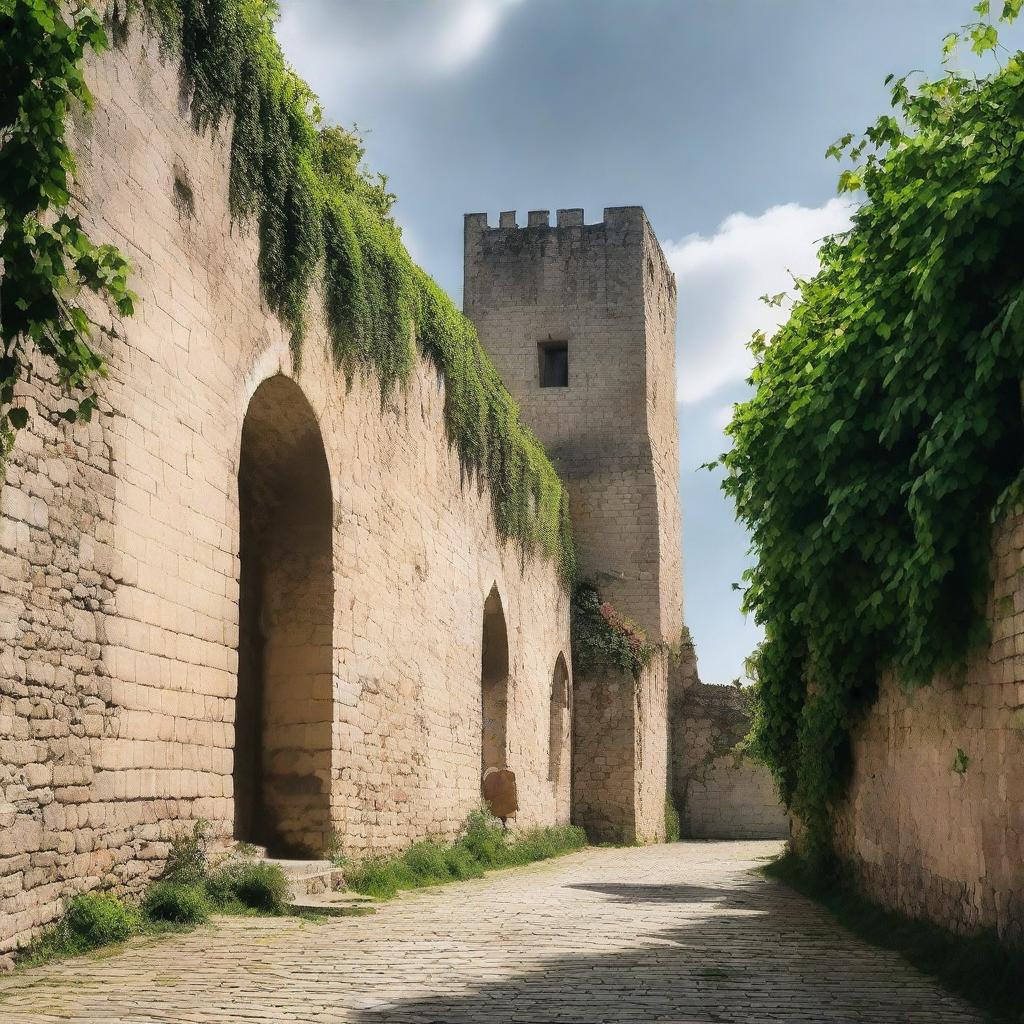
(554,364)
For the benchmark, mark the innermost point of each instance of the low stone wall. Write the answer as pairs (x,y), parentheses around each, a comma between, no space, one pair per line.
(933,824)
(720,792)
(121,555)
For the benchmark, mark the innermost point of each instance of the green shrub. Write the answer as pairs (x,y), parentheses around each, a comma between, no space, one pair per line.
(90,920)
(98,918)
(428,863)
(484,838)
(177,902)
(187,863)
(381,877)
(673,829)
(544,843)
(254,884)
(462,864)
(482,844)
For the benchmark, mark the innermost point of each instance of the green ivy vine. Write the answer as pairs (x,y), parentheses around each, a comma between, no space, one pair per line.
(47,259)
(603,640)
(319,214)
(885,434)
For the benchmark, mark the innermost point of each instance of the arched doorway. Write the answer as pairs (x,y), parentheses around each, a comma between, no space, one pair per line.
(494,685)
(283,711)
(560,729)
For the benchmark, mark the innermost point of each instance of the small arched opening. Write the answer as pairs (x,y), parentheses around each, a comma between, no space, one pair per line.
(560,727)
(494,685)
(283,710)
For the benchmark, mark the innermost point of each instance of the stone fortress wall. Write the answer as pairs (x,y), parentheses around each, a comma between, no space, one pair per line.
(929,832)
(720,791)
(236,513)
(604,294)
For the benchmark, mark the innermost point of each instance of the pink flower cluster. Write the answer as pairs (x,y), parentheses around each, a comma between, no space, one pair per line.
(635,636)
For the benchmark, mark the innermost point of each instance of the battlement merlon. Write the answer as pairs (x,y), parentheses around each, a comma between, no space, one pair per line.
(628,223)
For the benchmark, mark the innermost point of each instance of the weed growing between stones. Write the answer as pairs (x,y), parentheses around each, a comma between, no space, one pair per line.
(979,968)
(188,892)
(483,844)
(673,829)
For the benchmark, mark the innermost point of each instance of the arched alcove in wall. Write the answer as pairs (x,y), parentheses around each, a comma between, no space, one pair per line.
(494,685)
(560,725)
(284,707)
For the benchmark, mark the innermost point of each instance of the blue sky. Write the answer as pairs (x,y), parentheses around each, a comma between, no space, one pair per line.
(712,114)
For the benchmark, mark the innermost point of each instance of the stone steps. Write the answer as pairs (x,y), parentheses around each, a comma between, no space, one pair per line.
(310,877)
(316,886)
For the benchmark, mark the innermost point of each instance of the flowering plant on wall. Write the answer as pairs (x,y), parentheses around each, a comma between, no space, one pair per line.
(604,640)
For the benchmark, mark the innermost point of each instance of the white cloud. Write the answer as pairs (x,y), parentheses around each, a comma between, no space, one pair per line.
(354,44)
(722,276)
(470,27)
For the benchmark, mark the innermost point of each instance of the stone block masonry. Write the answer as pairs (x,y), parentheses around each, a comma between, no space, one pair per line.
(720,792)
(933,822)
(580,322)
(161,658)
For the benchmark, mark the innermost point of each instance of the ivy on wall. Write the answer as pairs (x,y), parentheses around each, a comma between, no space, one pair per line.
(885,434)
(604,640)
(316,208)
(46,259)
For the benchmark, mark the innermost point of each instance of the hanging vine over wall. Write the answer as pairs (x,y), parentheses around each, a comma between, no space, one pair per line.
(47,259)
(885,434)
(316,209)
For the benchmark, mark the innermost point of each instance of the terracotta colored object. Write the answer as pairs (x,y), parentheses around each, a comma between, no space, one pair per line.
(499,790)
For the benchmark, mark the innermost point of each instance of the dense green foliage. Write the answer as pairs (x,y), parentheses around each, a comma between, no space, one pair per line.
(977,967)
(178,902)
(48,259)
(318,213)
(602,639)
(483,844)
(249,883)
(885,433)
(90,920)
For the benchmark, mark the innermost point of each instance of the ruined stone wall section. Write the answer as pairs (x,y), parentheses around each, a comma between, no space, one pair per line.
(924,838)
(720,792)
(119,555)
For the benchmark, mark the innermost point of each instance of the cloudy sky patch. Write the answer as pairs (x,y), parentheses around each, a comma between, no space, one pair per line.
(722,277)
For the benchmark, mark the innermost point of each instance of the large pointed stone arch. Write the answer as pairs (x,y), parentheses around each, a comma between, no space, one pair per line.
(284,705)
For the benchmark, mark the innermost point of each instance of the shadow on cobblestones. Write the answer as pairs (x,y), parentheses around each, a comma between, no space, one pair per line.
(753,954)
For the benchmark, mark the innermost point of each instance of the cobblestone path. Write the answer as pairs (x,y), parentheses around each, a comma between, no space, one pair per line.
(684,932)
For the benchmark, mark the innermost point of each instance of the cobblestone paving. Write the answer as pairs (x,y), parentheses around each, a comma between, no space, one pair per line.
(669,933)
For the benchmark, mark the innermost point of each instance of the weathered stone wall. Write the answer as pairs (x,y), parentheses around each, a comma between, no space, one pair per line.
(720,792)
(921,836)
(120,564)
(606,292)
(619,753)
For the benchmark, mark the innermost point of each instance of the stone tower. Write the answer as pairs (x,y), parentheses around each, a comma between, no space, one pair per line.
(580,322)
